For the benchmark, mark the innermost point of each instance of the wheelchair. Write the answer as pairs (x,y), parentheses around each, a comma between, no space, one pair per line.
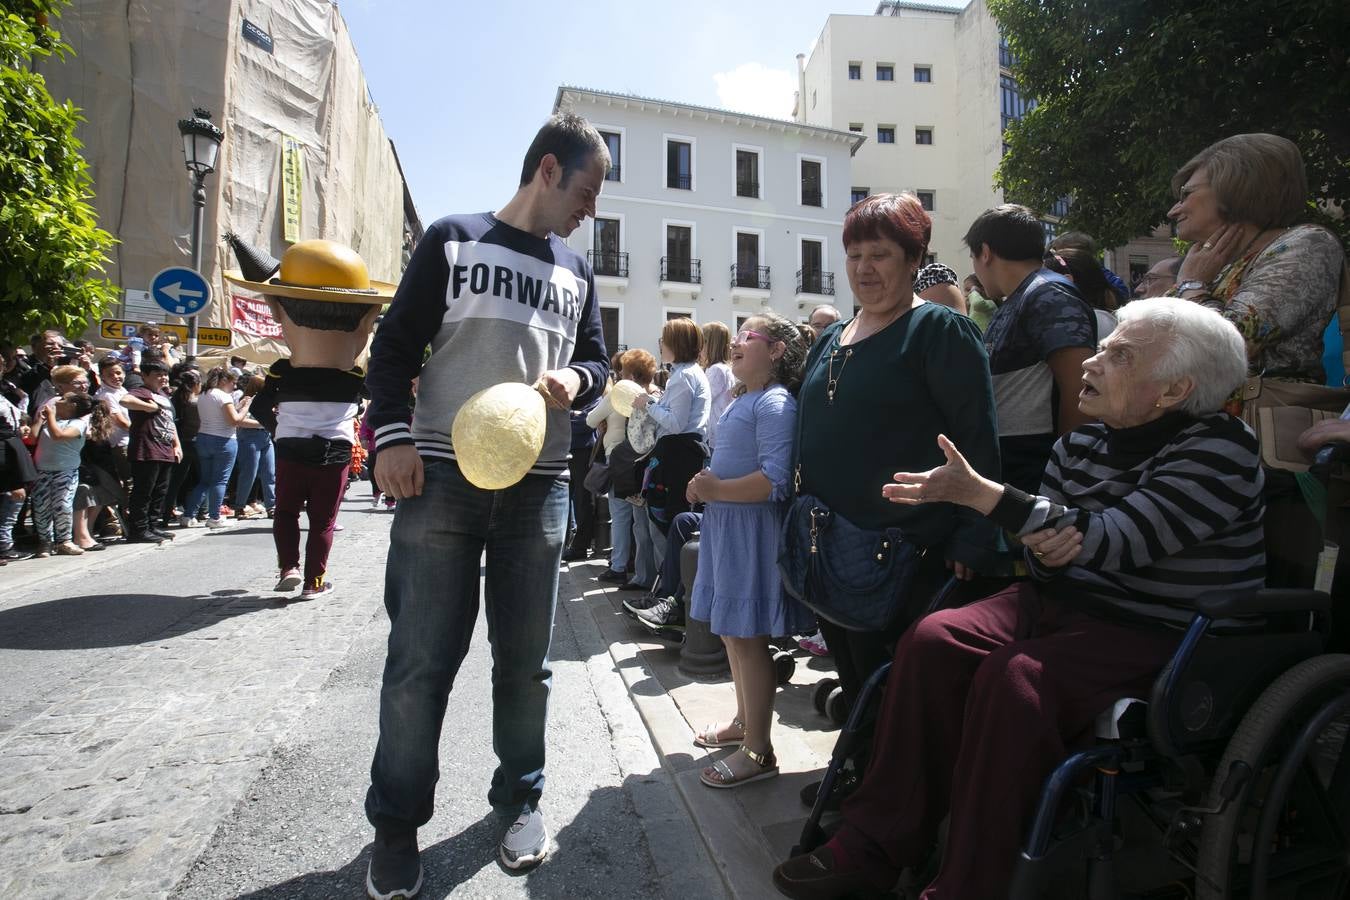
(1230,780)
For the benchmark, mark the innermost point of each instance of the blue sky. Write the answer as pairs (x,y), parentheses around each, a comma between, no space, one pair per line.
(463,85)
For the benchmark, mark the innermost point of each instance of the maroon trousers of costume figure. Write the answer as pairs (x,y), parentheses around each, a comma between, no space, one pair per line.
(981,704)
(319,489)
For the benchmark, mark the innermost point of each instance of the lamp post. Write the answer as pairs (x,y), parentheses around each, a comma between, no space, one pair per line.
(201,144)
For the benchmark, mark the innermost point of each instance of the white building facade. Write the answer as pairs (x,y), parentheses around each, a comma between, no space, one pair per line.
(711,214)
(930,88)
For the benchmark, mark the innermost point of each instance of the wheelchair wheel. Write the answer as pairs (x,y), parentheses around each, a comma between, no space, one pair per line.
(784,665)
(821,695)
(836,706)
(1287,833)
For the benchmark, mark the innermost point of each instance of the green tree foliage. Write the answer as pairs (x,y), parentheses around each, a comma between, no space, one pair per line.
(1128,90)
(51,249)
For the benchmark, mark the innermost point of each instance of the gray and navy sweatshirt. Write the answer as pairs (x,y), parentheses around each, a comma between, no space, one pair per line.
(496,304)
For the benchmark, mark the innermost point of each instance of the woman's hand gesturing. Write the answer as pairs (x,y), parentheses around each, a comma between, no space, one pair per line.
(954,482)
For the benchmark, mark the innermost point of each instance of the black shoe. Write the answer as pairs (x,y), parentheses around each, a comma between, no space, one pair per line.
(816,876)
(609,576)
(641,604)
(844,785)
(665,613)
(633,586)
(168,536)
(147,537)
(12,555)
(574,554)
(395,866)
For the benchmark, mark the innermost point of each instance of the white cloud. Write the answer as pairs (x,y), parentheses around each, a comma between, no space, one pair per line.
(756,89)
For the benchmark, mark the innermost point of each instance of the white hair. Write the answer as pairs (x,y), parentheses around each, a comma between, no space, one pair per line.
(833,311)
(1201,344)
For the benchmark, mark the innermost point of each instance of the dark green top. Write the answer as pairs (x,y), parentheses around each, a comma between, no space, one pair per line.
(924,374)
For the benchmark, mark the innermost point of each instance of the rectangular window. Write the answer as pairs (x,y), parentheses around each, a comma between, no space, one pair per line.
(747,260)
(923,135)
(679,165)
(811,183)
(856,194)
(855,71)
(614,142)
(923,74)
(885,72)
(812,266)
(609,326)
(885,134)
(1013,106)
(855,127)
(747,173)
(607,243)
(679,252)
(813,98)
(925,199)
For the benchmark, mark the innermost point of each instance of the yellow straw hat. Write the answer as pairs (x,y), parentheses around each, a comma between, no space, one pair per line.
(319,270)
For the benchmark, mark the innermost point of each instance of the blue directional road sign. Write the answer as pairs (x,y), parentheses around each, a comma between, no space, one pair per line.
(180,291)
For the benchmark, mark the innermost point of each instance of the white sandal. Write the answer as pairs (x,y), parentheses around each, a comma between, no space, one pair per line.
(707,738)
(728,779)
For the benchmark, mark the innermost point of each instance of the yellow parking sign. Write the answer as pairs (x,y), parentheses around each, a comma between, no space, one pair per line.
(122,329)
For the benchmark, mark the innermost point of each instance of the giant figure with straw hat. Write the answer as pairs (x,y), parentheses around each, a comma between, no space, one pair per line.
(510,314)
(323,297)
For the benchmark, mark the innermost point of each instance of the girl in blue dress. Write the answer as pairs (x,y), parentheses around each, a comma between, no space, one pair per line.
(745,490)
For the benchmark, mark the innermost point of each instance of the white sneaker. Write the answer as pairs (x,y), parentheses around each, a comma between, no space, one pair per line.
(217,523)
(188,522)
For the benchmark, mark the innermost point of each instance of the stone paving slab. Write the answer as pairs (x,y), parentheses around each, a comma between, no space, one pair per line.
(747,830)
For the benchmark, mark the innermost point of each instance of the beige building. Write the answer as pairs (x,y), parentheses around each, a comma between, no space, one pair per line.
(303,141)
(927,87)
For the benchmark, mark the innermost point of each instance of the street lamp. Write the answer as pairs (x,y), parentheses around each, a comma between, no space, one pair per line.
(201,145)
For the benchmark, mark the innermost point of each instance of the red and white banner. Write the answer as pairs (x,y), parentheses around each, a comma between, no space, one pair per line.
(250,316)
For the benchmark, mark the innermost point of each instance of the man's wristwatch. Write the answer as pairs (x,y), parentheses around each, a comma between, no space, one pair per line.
(1191,286)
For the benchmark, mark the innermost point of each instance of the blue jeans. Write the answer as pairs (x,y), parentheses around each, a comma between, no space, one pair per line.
(620,533)
(256,460)
(215,456)
(682,529)
(9,517)
(436,546)
(644,564)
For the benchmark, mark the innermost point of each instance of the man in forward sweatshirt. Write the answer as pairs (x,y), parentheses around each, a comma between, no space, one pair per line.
(499,297)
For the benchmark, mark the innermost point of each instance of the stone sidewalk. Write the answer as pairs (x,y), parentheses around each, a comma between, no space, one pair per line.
(747,830)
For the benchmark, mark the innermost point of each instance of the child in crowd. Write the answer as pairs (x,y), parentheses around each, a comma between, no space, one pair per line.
(61,436)
(737,589)
(98,485)
(153,451)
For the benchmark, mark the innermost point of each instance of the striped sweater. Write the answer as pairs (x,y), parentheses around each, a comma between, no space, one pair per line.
(1168,510)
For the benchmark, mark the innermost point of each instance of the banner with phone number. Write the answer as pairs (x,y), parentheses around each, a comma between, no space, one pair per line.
(250,316)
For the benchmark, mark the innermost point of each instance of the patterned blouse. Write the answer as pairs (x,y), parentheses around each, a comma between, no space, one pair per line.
(1281,299)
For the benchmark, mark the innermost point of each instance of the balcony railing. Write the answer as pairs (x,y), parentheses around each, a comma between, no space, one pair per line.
(615,173)
(615,264)
(810,197)
(750,277)
(681,182)
(812,282)
(686,271)
(747,188)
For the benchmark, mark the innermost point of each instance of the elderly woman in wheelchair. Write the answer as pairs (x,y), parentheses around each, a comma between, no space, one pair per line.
(1137,517)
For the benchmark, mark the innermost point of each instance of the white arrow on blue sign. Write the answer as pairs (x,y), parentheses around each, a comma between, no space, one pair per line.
(180,291)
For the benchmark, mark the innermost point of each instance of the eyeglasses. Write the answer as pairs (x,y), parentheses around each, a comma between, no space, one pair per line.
(745,336)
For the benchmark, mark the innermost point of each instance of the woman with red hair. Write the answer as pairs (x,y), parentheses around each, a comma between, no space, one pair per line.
(877,390)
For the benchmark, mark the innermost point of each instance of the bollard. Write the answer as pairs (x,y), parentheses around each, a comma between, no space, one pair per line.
(703,655)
